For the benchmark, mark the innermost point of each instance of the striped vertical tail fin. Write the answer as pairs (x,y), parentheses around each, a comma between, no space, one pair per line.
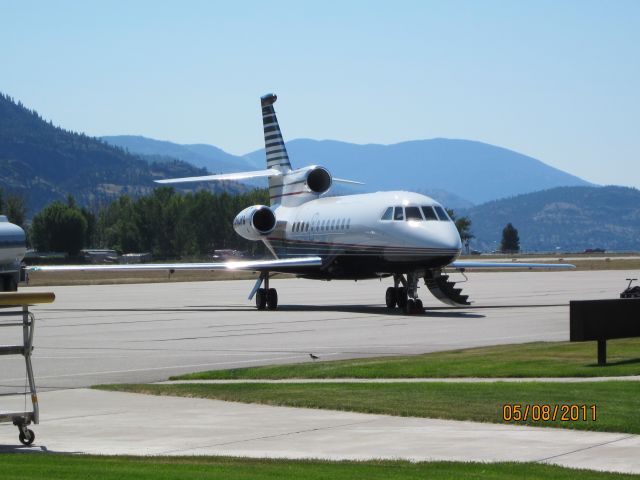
(275,148)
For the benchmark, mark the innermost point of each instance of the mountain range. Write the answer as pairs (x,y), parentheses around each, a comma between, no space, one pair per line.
(475,171)
(459,173)
(211,158)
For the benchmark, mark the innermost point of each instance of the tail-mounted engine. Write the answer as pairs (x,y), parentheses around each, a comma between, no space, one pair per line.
(300,186)
(318,180)
(254,222)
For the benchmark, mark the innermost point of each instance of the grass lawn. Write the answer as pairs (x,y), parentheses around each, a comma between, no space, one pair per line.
(617,403)
(59,467)
(540,359)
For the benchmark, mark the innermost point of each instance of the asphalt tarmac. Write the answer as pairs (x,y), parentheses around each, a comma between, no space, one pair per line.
(147,332)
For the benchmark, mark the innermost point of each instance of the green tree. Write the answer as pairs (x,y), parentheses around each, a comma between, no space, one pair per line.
(60,228)
(90,236)
(14,207)
(117,226)
(510,240)
(16,210)
(463,224)
(172,224)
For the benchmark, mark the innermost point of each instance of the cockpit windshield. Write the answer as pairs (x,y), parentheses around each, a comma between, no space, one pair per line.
(426,212)
(442,215)
(412,213)
(429,214)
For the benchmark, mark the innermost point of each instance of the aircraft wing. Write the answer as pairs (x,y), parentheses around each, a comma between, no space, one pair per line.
(277,265)
(344,180)
(270,172)
(464,264)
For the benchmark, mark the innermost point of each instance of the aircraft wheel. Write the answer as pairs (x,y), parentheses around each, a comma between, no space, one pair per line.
(410,306)
(419,307)
(272,299)
(401,298)
(391,298)
(261,299)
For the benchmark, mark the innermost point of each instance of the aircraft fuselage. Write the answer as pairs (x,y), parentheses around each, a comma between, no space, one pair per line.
(356,240)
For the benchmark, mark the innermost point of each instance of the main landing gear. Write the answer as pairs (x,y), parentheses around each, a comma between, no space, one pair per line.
(266,298)
(404,297)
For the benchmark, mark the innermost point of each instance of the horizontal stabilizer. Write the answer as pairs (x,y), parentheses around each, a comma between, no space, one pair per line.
(278,265)
(270,172)
(464,264)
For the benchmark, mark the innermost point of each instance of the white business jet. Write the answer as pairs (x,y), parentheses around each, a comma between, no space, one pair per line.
(403,235)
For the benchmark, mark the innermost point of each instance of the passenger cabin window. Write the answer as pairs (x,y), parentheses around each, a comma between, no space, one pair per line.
(442,215)
(412,213)
(388,214)
(429,214)
(398,213)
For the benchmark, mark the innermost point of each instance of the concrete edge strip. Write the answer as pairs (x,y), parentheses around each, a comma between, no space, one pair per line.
(630,378)
(590,447)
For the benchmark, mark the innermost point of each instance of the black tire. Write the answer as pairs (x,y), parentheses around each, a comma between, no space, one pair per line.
(401,298)
(261,299)
(410,306)
(28,438)
(272,299)
(419,307)
(391,298)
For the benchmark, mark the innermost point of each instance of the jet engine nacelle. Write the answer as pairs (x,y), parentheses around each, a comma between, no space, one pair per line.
(315,179)
(254,222)
(319,180)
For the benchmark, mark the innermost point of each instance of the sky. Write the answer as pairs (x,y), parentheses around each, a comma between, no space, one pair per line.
(556,80)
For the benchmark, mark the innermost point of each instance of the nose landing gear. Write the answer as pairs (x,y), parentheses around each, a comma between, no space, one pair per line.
(404,297)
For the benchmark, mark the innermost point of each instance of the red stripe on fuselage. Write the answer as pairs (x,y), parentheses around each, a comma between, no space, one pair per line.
(285,195)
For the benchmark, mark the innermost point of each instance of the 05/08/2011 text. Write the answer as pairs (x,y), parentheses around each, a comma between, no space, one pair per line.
(516,412)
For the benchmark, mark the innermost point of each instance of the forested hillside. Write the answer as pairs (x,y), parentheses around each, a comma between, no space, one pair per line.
(42,163)
(565,219)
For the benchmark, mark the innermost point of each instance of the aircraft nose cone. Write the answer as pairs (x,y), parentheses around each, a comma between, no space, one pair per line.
(438,235)
(452,238)
(445,237)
